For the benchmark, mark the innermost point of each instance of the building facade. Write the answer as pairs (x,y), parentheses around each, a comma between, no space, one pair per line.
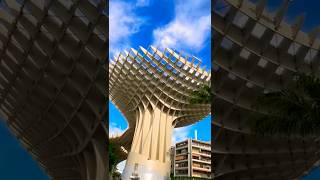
(192,158)
(152,90)
(256,51)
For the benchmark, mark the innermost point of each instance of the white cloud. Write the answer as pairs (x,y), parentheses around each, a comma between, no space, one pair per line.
(123,22)
(190,28)
(115,130)
(180,134)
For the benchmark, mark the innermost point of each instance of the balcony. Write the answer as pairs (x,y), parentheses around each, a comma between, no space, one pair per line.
(181,158)
(201,154)
(202,161)
(206,147)
(202,169)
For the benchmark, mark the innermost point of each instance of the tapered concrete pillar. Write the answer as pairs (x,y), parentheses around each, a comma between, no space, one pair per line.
(150,153)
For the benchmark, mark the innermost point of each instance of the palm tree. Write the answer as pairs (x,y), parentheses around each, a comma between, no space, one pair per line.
(295,110)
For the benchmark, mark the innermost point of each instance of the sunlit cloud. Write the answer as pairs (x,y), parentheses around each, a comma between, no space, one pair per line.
(123,23)
(180,134)
(115,130)
(189,30)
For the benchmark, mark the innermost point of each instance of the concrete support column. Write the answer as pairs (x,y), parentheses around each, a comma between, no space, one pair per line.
(149,157)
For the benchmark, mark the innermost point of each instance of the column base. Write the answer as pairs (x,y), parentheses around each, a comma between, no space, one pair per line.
(139,167)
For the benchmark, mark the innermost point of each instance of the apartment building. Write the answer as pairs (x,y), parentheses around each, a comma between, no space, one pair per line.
(192,158)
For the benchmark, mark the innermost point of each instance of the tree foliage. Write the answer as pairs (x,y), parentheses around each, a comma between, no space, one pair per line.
(113,158)
(295,110)
(202,96)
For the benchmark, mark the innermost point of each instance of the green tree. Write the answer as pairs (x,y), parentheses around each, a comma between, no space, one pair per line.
(113,158)
(295,110)
(202,96)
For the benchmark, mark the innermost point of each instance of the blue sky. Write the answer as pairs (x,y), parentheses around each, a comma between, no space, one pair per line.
(15,162)
(183,25)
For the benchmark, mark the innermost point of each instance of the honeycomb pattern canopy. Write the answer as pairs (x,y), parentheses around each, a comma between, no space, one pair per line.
(256,51)
(164,78)
(52,78)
